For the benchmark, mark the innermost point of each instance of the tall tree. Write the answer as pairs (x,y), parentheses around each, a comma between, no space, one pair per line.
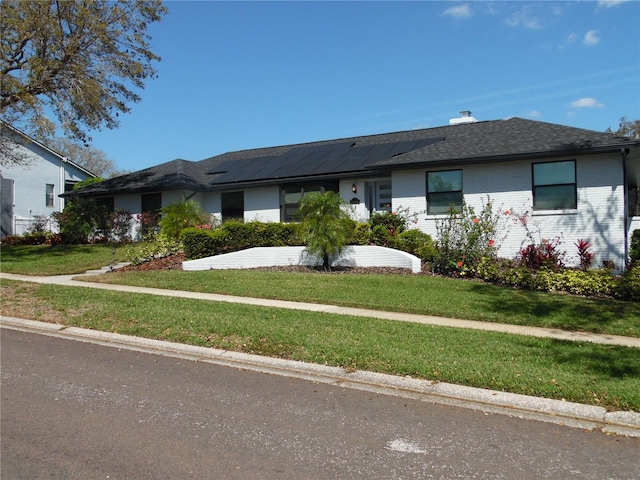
(80,60)
(627,128)
(94,160)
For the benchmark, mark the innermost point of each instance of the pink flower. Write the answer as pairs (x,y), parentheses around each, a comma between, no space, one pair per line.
(476,220)
(507,212)
(491,243)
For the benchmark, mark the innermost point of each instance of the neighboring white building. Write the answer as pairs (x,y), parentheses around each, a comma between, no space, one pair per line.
(562,181)
(32,188)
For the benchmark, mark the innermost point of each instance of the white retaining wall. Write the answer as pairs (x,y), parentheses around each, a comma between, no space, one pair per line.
(352,256)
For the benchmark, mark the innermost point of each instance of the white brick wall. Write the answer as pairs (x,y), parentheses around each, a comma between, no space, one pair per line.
(262,204)
(599,218)
(352,256)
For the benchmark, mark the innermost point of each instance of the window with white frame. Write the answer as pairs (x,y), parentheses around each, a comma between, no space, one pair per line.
(49,195)
(554,185)
(444,191)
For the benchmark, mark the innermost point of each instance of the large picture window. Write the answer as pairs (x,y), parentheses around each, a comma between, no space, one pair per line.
(293,193)
(554,185)
(444,191)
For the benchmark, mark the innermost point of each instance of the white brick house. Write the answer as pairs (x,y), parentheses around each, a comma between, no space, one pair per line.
(31,189)
(567,183)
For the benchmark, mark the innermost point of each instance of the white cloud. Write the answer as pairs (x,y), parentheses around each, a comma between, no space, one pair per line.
(587,102)
(571,38)
(459,11)
(610,3)
(523,17)
(591,38)
(534,114)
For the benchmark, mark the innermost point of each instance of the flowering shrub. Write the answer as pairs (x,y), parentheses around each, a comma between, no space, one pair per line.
(465,238)
(120,222)
(395,222)
(148,222)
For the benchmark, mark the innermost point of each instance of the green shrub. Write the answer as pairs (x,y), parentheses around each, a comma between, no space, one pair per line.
(586,283)
(241,235)
(162,246)
(634,250)
(280,234)
(180,215)
(417,243)
(628,287)
(201,243)
(382,236)
(81,221)
(395,222)
(361,234)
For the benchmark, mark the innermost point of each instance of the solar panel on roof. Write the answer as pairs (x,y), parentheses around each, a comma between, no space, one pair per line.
(310,160)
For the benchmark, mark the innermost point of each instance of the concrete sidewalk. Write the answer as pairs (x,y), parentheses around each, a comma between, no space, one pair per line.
(554,411)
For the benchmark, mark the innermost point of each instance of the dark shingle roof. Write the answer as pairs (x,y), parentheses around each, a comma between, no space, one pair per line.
(368,155)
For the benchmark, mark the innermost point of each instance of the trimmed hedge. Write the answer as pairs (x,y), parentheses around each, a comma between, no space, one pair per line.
(200,243)
(236,235)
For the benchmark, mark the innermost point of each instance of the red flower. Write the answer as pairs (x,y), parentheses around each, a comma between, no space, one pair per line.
(476,220)
(507,212)
(491,243)
(460,264)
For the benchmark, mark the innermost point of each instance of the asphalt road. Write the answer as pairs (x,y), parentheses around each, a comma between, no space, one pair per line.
(73,410)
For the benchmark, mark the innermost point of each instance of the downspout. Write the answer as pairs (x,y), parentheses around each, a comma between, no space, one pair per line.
(625,210)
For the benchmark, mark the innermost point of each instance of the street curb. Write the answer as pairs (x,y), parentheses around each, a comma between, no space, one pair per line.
(570,414)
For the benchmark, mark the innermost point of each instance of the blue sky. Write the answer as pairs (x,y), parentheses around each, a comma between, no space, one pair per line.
(241,75)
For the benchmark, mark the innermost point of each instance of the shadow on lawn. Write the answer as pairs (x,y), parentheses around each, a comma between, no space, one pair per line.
(554,310)
(608,361)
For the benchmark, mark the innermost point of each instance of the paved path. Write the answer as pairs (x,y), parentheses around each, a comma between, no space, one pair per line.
(555,411)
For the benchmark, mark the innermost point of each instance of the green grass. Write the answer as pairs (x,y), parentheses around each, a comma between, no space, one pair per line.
(55,260)
(579,372)
(446,297)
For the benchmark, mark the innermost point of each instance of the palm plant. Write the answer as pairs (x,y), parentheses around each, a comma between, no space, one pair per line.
(180,215)
(325,225)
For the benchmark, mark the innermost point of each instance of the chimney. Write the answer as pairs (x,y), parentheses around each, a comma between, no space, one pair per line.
(465,117)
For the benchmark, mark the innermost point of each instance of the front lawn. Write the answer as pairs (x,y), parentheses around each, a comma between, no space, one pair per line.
(56,260)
